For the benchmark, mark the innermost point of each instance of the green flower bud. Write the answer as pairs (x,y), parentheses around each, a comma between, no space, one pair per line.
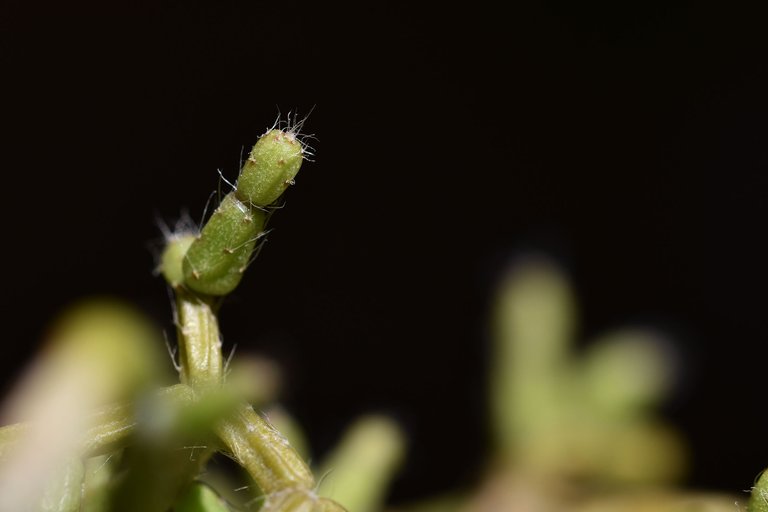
(216,260)
(271,167)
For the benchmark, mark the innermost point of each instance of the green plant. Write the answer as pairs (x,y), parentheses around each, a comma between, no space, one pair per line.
(572,431)
(111,439)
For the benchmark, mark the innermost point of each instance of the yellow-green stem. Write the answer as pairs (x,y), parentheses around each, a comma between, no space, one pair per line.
(263,451)
(199,342)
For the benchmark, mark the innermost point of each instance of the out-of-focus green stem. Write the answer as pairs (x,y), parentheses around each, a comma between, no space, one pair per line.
(63,494)
(99,472)
(110,427)
(115,424)
(360,469)
(533,323)
(9,434)
(163,458)
(200,498)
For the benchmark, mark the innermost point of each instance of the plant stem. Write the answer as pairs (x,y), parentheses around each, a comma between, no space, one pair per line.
(199,342)
(263,451)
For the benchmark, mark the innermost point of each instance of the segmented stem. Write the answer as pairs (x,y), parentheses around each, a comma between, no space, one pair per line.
(204,267)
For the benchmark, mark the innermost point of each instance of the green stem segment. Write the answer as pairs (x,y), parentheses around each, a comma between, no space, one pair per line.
(199,342)
(217,259)
(362,466)
(263,451)
(270,168)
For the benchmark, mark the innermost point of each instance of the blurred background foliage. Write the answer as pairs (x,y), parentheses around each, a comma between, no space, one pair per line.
(571,431)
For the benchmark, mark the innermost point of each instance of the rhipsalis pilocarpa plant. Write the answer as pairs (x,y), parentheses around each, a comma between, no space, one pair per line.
(130,445)
(205,266)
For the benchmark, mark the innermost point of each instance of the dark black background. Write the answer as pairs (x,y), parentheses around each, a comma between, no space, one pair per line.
(629,141)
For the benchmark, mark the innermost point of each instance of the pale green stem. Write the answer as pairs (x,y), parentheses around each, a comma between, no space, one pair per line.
(362,466)
(63,494)
(199,342)
(114,424)
(258,446)
(110,428)
(263,451)
(113,427)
